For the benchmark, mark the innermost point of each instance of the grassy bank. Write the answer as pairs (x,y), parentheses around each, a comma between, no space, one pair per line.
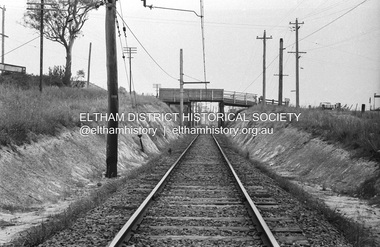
(354,232)
(26,113)
(59,222)
(355,131)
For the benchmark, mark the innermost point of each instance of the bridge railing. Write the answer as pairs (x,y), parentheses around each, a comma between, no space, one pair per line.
(240,98)
(274,102)
(173,94)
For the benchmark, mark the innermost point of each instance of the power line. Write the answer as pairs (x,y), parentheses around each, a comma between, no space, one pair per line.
(121,48)
(322,46)
(319,29)
(192,77)
(125,65)
(21,45)
(260,73)
(287,14)
(325,9)
(145,48)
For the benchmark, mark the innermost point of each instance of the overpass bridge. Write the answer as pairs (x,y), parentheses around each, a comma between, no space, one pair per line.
(228,98)
(224,98)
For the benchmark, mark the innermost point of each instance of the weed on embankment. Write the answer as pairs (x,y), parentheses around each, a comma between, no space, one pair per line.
(26,113)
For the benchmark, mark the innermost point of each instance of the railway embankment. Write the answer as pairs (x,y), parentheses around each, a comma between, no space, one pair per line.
(43,173)
(327,169)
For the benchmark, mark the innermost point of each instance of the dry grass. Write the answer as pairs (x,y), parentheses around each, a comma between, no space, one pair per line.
(353,130)
(356,132)
(26,113)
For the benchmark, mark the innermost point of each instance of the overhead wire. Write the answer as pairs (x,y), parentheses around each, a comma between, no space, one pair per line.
(21,45)
(322,46)
(327,15)
(318,10)
(261,73)
(287,14)
(125,65)
(334,20)
(315,9)
(134,97)
(122,50)
(147,52)
(192,78)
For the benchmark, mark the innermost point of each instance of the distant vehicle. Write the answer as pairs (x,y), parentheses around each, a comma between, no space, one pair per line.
(326,106)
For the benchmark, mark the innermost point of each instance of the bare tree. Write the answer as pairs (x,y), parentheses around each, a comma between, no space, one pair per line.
(62,23)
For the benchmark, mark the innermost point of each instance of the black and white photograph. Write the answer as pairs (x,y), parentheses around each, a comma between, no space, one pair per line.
(154,123)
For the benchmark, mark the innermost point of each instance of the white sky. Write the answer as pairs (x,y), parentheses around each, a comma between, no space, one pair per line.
(341,65)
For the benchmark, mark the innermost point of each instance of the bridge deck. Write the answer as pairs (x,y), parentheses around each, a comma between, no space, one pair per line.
(172,96)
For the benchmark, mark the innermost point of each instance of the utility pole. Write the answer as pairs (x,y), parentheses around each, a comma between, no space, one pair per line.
(157,87)
(41,43)
(264,38)
(3,34)
(297,52)
(112,86)
(374,100)
(280,72)
(181,83)
(41,9)
(89,63)
(181,87)
(130,50)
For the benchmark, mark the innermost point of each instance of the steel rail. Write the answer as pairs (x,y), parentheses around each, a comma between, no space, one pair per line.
(266,234)
(126,231)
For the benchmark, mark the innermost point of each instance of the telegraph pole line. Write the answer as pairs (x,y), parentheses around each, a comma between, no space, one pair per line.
(3,34)
(157,87)
(130,51)
(297,52)
(112,86)
(41,9)
(181,87)
(41,43)
(264,38)
(280,72)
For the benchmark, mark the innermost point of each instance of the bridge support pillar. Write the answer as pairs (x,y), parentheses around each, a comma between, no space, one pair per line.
(188,112)
(221,110)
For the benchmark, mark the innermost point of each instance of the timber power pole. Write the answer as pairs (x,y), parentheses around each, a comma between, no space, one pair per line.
(3,34)
(42,10)
(264,38)
(157,87)
(112,86)
(181,84)
(297,52)
(130,50)
(280,76)
(41,44)
(181,87)
(280,72)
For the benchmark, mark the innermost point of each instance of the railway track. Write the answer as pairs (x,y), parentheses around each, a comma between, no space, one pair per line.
(200,201)
(185,213)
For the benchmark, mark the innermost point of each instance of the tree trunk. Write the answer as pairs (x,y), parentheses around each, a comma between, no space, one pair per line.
(67,76)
